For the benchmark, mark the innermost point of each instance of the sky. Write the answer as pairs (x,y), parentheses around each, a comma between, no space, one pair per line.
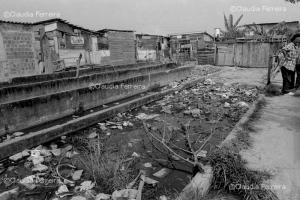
(150,16)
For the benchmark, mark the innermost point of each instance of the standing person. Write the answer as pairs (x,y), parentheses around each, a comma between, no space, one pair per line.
(298,66)
(288,66)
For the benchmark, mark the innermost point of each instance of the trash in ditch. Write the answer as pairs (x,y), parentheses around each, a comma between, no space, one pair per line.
(18,134)
(208,82)
(77,175)
(194,112)
(243,104)
(162,173)
(226,105)
(39,168)
(202,154)
(143,116)
(150,181)
(163,197)
(102,196)
(147,165)
(86,185)
(167,109)
(136,155)
(19,156)
(92,135)
(61,190)
(78,198)
(124,194)
(28,182)
(145,108)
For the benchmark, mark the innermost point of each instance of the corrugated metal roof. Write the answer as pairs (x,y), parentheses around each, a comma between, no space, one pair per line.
(63,21)
(190,33)
(117,30)
(12,22)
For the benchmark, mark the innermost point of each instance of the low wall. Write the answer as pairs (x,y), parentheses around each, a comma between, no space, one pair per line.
(91,69)
(27,113)
(20,92)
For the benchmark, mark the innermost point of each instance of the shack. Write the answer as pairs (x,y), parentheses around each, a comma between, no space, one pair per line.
(197,46)
(63,44)
(17,50)
(152,47)
(119,46)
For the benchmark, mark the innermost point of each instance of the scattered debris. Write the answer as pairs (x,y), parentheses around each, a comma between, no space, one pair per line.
(28,182)
(124,194)
(102,196)
(148,165)
(18,134)
(162,173)
(77,175)
(208,82)
(150,181)
(226,105)
(56,152)
(40,168)
(202,154)
(243,104)
(163,197)
(86,185)
(92,135)
(134,154)
(19,156)
(61,190)
(78,198)
(143,116)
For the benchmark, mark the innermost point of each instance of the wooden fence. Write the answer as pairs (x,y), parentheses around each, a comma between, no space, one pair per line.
(247,54)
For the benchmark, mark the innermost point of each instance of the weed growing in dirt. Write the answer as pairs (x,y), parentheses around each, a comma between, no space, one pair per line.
(232,177)
(107,166)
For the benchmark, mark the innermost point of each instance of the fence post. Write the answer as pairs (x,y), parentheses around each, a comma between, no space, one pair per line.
(215,54)
(269,69)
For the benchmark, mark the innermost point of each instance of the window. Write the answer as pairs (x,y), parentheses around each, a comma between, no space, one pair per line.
(102,43)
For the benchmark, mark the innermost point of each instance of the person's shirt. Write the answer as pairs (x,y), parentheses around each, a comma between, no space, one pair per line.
(298,55)
(290,56)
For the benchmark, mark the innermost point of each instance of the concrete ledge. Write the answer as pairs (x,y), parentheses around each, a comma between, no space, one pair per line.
(199,185)
(34,89)
(229,140)
(91,69)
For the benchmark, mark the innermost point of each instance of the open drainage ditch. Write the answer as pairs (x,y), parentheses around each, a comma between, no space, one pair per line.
(113,152)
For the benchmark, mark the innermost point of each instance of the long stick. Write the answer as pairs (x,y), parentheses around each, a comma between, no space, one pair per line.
(166,146)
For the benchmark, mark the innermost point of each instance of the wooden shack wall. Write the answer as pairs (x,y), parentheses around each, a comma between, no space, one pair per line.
(122,47)
(246,54)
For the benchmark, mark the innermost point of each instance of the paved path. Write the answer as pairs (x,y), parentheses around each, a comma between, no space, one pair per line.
(276,139)
(276,145)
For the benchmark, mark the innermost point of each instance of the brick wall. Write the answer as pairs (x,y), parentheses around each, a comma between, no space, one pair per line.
(18,57)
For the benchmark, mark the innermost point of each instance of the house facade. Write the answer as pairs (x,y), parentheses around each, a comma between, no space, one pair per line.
(152,47)
(187,46)
(119,46)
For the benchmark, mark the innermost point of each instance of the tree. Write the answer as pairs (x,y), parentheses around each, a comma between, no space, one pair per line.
(281,29)
(293,1)
(232,30)
(256,29)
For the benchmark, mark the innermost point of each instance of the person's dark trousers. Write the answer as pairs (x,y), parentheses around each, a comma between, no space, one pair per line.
(298,76)
(288,80)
